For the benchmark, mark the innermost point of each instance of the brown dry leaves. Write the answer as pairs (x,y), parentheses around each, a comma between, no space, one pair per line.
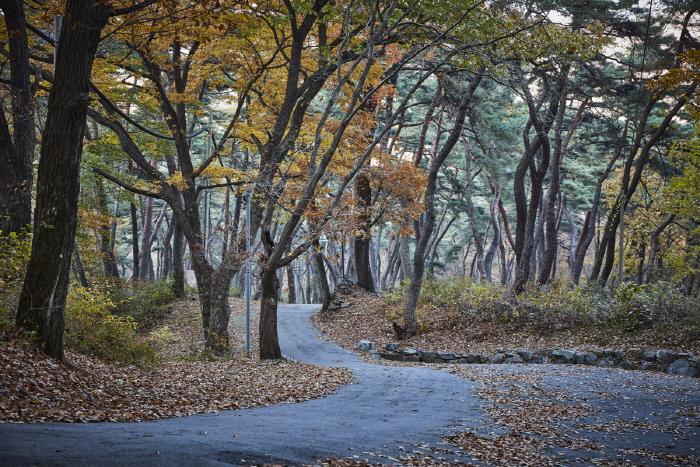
(36,388)
(368,317)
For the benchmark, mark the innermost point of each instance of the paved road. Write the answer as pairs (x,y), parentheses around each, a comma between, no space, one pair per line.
(384,410)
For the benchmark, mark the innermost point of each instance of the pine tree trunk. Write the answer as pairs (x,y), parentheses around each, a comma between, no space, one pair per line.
(146,266)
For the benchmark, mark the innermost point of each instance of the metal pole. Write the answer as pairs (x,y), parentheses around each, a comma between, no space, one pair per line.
(247,270)
(57,23)
(621,244)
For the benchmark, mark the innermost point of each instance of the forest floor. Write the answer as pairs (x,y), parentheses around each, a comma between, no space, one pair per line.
(368,316)
(185,381)
(410,415)
(541,414)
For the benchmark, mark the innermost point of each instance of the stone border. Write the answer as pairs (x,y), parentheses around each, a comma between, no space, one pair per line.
(675,363)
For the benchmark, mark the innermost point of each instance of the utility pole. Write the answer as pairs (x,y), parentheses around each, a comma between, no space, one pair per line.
(621,246)
(247,269)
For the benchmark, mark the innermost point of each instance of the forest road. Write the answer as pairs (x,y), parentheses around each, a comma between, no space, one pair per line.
(384,408)
(387,409)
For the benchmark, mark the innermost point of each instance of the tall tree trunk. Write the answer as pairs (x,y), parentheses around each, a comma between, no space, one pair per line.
(409,315)
(321,277)
(43,297)
(551,231)
(269,346)
(392,259)
(363,193)
(17,151)
(146,266)
(476,234)
(496,239)
(79,269)
(291,284)
(654,247)
(588,230)
(135,253)
(105,232)
(167,268)
(178,286)
(526,213)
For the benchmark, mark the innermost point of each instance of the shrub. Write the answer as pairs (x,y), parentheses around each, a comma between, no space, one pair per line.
(659,305)
(162,338)
(458,299)
(559,307)
(145,302)
(91,328)
(15,249)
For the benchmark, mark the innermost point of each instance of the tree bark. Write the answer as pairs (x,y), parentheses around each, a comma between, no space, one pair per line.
(105,232)
(43,297)
(291,285)
(269,346)
(496,239)
(363,192)
(17,151)
(654,248)
(409,315)
(135,253)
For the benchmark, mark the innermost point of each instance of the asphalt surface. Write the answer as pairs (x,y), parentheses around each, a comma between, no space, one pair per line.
(383,409)
(386,412)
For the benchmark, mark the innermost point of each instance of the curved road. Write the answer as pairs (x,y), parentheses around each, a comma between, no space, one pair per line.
(385,409)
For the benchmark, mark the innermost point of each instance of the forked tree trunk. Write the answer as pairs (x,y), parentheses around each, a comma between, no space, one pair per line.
(321,277)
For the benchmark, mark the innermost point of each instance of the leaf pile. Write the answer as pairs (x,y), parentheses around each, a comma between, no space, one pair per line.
(86,389)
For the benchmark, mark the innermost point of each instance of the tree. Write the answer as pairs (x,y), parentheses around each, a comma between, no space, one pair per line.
(17,149)
(428,202)
(42,301)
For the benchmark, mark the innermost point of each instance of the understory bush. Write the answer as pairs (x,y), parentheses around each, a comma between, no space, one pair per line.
(92,328)
(659,306)
(145,302)
(14,255)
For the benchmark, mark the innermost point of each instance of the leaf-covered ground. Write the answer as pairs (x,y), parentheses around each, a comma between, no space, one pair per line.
(369,317)
(36,388)
(542,414)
